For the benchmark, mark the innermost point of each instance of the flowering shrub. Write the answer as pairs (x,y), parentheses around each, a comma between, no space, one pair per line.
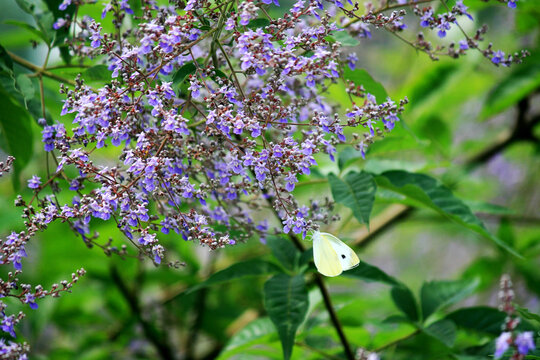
(207,117)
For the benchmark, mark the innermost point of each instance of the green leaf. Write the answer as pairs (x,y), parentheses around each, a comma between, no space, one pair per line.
(439,294)
(45,22)
(26,88)
(430,83)
(15,133)
(253,331)
(517,85)
(285,251)
(26,6)
(286,301)
(344,38)
(437,131)
(442,330)
(6,65)
(396,319)
(505,232)
(428,192)
(238,271)
(347,154)
(371,273)
(61,34)
(356,191)
(362,77)
(526,314)
(97,73)
(405,301)
(482,319)
(29,28)
(258,23)
(487,208)
(186,70)
(378,166)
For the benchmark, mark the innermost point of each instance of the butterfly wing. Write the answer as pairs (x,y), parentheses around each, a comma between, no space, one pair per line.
(325,257)
(346,255)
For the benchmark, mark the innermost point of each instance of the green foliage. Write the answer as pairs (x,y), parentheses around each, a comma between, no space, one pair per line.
(443,330)
(356,191)
(238,271)
(513,88)
(284,251)
(481,319)
(439,294)
(363,78)
(371,273)
(286,301)
(15,133)
(405,301)
(426,191)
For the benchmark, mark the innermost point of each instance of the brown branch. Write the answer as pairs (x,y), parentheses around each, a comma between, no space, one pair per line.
(158,340)
(38,70)
(381,222)
(388,7)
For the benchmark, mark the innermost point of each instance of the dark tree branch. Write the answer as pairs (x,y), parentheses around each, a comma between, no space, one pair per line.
(158,340)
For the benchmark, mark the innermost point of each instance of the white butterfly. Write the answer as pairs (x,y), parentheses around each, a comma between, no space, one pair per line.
(332,256)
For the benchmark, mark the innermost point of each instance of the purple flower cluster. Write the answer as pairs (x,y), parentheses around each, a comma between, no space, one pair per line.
(13,350)
(441,22)
(516,344)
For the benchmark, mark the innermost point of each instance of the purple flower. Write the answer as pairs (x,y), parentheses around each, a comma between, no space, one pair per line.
(512,4)
(497,57)
(426,18)
(194,88)
(30,299)
(124,5)
(63,6)
(7,325)
(96,39)
(270,1)
(34,182)
(230,23)
(525,342)
(443,27)
(502,344)
(352,59)
(61,22)
(291,180)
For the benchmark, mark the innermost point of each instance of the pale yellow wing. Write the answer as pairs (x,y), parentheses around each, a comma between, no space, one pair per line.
(325,257)
(346,255)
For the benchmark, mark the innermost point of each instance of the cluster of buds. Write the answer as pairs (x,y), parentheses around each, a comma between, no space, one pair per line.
(5,166)
(519,344)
